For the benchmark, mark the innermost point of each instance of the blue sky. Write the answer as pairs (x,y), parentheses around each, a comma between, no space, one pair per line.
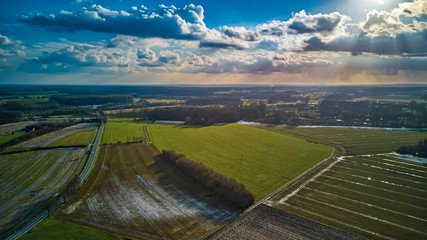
(203,41)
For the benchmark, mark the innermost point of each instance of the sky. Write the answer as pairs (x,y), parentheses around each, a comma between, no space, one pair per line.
(304,42)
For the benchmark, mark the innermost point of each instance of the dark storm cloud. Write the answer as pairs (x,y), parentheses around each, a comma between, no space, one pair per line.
(401,44)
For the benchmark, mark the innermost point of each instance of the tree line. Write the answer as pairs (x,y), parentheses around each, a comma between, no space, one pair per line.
(419,150)
(200,115)
(79,100)
(228,188)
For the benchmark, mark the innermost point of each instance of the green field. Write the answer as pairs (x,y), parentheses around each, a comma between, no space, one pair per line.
(355,141)
(122,131)
(57,229)
(259,159)
(376,197)
(78,138)
(7,138)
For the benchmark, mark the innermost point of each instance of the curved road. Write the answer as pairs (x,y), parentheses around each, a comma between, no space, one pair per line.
(83,175)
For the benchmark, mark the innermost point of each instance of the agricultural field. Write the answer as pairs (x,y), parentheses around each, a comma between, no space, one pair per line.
(377,196)
(6,129)
(27,179)
(78,138)
(7,138)
(264,222)
(261,160)
(138,109)
(136,193)
(57,229)
(354,141)
(391,98)
(123,132)
(49,138)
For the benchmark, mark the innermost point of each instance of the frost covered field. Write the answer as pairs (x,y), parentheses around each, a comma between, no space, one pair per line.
(135,192)
(378,196)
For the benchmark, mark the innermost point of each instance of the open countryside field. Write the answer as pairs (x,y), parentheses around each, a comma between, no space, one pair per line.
(123,131)
(6,129)
(261,160)
(264,223)
(7,138)
(138,109)
(57,229)
(78,138)
(47,139)
(355,141)
(378,196)
(28,178)
(135,192)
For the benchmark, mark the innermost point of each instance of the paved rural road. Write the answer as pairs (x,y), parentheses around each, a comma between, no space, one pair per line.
(91,159)
(83,175)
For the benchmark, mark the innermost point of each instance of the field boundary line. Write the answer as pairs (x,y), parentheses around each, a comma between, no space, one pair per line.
(392,165)
(369,186)
(371,195)
(384,169)
(364,215)
(368,204)
(339,222)
(402,179)
(376,180)
(312,178)
(401,161)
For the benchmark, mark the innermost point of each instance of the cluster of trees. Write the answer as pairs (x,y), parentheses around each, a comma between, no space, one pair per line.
(35,130)
(79,100)
(419,150)
(228,188)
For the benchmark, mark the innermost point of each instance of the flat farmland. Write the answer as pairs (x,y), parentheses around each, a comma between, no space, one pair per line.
(78,138)
(259,159)
(135,192)
(355,141)
(47,139)
(57,229)
(378,196)
(123,131)
(7,138)
(6,129)
(264,222)
(30,177)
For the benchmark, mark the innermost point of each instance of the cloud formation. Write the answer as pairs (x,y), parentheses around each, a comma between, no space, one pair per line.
(407,17)
(303,23)
(175,40)
(165,22)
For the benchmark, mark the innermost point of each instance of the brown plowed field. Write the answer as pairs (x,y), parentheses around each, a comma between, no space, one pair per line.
(265,222)
(135,192)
